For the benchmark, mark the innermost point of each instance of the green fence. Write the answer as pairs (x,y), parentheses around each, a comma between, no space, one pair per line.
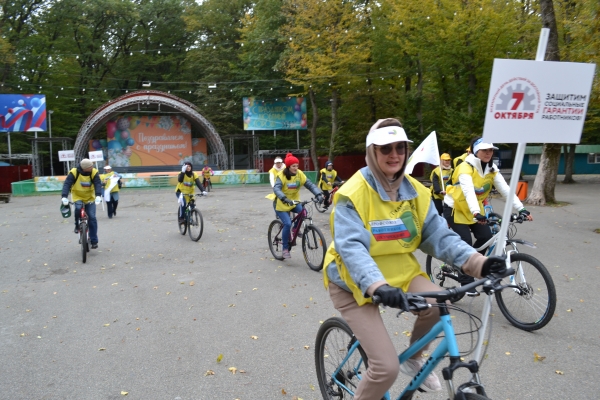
(31,188)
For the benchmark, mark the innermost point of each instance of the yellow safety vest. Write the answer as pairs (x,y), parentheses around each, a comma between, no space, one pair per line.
(482,185)
(445,174)
(461,158)
(395,228)
(105,178)
(187,186)
(83,188)
(207,172)
(330,176)
(290,188)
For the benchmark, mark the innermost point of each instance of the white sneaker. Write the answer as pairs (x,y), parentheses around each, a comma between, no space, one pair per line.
(412,366)
(286,254)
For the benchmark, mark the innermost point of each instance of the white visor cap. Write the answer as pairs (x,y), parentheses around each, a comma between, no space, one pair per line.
(479,145)
(278,159)
(387,135)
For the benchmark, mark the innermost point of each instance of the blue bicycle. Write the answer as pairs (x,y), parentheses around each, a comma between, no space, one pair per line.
(341,361)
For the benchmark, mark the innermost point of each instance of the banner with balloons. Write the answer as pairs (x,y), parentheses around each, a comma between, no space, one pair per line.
(146,141)
(22,113)
(285,114)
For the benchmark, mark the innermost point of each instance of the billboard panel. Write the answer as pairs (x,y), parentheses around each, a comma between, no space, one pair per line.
(288,113)
(146,141)
(22,113)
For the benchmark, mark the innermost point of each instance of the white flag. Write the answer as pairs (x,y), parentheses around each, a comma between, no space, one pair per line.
(427,152)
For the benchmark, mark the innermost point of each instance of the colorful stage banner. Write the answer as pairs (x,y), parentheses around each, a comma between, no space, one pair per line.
(150,140)
(288,113)
(22,113)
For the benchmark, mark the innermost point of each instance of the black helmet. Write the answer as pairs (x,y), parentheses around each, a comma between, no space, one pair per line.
(328,163)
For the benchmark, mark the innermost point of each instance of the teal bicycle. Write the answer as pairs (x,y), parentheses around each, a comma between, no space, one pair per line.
(341,361)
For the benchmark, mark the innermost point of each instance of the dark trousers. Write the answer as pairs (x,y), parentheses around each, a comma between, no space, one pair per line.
(111,206)
(482,234)
(438,206)
(327,194)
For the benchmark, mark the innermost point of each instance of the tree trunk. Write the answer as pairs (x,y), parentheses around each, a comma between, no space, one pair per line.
(420,97)
(545,179)
(313,130)
(334,121)
(569,163)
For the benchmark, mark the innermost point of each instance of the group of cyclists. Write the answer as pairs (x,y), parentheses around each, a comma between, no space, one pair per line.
(380,217)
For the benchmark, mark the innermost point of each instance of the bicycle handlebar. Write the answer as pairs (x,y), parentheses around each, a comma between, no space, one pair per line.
(305,202)
(491,284)
(494,218)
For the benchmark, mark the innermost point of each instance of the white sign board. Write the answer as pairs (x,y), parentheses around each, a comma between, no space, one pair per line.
(96,156)
(66,155)
(537,102)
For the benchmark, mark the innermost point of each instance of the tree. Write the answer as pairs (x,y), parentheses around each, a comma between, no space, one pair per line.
(545,179)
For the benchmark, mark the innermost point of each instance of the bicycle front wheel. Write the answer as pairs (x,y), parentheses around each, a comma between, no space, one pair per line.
(530,305)
(196,225)
(314,247)
(320,206)
(182,225)
(83,235)
(275,239)
(334,340)
(443,275)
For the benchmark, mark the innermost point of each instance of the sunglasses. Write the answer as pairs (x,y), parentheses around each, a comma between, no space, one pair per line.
(386,150)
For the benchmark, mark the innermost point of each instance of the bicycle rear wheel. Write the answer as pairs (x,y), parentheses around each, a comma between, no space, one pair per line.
(314,247)
(182,226)
(83,235)
(443,275)
(334,340)
(196,225)
(275,239)
(529,306)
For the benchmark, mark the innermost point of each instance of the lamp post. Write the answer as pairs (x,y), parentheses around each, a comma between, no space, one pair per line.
(50,132)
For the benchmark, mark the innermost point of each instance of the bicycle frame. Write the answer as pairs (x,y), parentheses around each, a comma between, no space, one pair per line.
(447,345)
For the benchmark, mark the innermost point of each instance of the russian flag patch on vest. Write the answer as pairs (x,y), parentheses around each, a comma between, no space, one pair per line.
(86,184)
(389,230)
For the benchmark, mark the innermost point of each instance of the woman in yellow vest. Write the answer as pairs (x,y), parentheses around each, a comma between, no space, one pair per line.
(327,176)
(187,178)
(463,203)
(278,166)
(381,216)
(287,189)
(86,190)
(440,177)
(114,186)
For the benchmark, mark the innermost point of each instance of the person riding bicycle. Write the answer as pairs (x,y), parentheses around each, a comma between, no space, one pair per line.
(381,217)
(440,178)
(327,176)
(187,178)
(463,203)
(207,172)
(460,159)
(86,191)
(287,189)
(113,185)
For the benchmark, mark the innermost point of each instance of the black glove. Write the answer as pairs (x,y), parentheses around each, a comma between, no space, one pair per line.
(494,265)
(392,297)
(480,218)
(320,198)
(523,213)
(287,201)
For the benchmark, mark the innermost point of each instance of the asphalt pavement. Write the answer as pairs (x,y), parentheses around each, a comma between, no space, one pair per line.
(154,315)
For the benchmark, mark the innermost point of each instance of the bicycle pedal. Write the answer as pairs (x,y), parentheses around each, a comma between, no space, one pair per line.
(473,294)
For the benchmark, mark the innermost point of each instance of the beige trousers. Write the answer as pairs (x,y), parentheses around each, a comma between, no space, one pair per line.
(368,327)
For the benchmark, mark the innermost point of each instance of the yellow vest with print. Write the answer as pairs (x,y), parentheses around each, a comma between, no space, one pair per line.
(272,171)
(290,188)
(83,188)
(446,174)
(330,176)
(482,186)
(395,228)
(105,178)
(206,172)
(187,186)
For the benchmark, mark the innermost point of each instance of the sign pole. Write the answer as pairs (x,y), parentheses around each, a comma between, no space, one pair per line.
(514,180)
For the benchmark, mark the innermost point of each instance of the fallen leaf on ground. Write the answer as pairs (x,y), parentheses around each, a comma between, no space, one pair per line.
(209,372)
(254,337)
(123,393)
(101,349)
(192,283)
(560,372)
(219,358)
(537,357)
(307,347)
(232,369)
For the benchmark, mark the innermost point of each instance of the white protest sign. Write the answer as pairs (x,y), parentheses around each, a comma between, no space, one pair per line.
(96,156)
(537,102)
(66,155)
